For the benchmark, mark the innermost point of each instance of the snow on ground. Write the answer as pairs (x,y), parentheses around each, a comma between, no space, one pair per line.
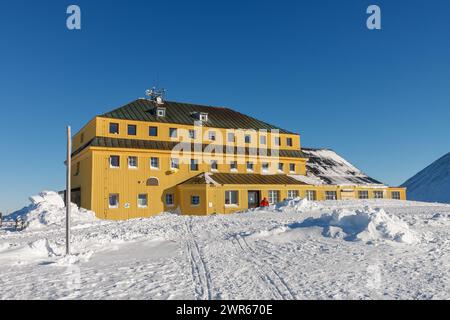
(365,249)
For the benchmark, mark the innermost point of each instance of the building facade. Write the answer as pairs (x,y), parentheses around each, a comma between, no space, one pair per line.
(152,156)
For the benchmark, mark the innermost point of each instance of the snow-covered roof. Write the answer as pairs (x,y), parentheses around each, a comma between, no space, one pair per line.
(325,166)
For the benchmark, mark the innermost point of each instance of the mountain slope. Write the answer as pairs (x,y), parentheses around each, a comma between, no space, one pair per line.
(432,184)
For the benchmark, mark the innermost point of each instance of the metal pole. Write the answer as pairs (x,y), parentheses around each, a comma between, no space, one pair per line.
(68,189)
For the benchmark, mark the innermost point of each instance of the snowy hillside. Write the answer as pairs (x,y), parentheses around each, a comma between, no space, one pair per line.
(325,166)
(374,249)
(432,184)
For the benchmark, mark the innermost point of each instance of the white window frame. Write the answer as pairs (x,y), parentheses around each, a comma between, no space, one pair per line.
(277,141)
(231,166)
(292,194)
(290,168)
(250,166)
(116,206)
(263,140)
(152,167)
(274,196)
(160,112)
(263,169)
(146,201)
(366,194)
(228,193)
(129,162)
(192,201)
(311,195)
(110,162)
(203,117)
(282,167)
(231,134)
(376,193)
(328,193)
(397,193)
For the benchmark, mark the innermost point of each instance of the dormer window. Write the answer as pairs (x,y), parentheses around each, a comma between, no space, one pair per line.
(160,112)
(203,117)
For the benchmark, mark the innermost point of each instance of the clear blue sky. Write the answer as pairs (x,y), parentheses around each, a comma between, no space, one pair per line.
(379,98)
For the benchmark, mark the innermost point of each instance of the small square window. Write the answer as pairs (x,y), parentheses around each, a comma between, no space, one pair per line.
(363,194)
(194,165)
(281,167)
(395,195)
(277,141)
(132,162)
(330,195)
(132,129)
(154,163)
(195,200)
(292,167)
(233,166)
(231,137)
(248,138)
(142,201)
(292,194)
(114,128)
(174,163)
(170,199)
(114,161)
(161,112)
(289,142)
(173,133)
(214,165)
(212,135)
(250,166)
(153,131)
(265,167)
(204,117)
(113,201)
(192,134)
(263,140)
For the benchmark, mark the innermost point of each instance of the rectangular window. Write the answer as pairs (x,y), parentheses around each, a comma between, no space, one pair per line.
(289,142)
(281,167)
(114,161)
(330,195)
(132,129)
(311,195)
(173,132)
(154,163)
(77,170)
(142,201)
(153,131)
(82,138)
(363,194)
(195,200)
(170,199)
(265,167)
(113,200)
(212,135)
(378,194)
(395,195)
(132,162)
(231,137)
(174,163)
(248,138)
(274,196)
(292,194)
(192,134)
(214,165)
(114,128)
(277,141)
(250,166)
(194,165)
(231,198)
(233,165)
(262,140)
(292,167)
(161,112)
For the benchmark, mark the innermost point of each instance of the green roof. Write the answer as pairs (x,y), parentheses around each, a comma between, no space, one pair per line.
(243,178)
(181,113)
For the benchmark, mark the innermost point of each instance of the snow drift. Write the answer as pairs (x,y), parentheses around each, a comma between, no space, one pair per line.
(296,205)
(48,209)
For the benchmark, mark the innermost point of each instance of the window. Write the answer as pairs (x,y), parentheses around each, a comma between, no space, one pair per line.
(113,200)
(262,140)
(330,195)
(132,162)
(173,132)
(277,141)
(142,201)
(311,195)
(395,195)
(248,138)
(292,194)
(170,199)
(153,131)
(231,198)
(195,200)
(212,135)
(114,161)
(250,166)
(132,130)
(265,167)
(233,166)
(231,137)
(274,196)
(214,165)
(114,128)
(154,163)
(281,167)
(82,138)
(77,170)
(192,134)
(204,117)
(292,167)
(161,112)
(363,194)
(174,163)
(194,165)
(289,142)
(378,194)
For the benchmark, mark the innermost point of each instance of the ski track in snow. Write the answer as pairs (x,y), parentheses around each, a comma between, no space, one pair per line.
(242,256)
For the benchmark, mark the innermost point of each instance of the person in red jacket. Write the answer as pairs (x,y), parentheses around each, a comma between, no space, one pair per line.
(264,203)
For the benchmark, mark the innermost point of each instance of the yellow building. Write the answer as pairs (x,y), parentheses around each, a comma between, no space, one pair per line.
(151,156)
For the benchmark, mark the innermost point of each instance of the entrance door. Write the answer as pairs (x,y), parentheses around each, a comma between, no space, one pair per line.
(253,199)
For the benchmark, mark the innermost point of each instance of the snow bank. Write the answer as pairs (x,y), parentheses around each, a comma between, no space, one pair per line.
(48,209)
(362,225)
(296,205)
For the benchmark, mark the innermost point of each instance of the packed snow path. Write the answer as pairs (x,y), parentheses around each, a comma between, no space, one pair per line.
(252,255)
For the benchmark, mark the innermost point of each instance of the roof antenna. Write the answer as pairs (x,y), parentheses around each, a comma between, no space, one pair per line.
(156,95)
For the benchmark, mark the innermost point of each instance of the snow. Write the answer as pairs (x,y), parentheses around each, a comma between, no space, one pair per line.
(432,184)
(298,249)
